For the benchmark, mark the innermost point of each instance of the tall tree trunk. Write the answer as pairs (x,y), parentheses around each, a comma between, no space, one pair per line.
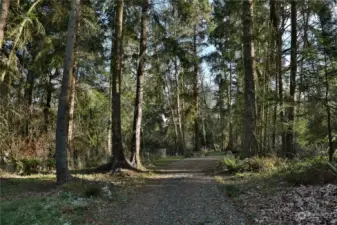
(273,64)
(229,106)
(249,140)
(196,92)
(328,111)
(280,77)
(178,102)
(72,101)
(71,126)
(46,110)
(137,120)
(290,150)
(29,87)
(118,159)
(62,171)
(222,124)
(3,19)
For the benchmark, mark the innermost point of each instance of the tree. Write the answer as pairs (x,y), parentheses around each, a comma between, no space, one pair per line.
(119,159)
(249,141)
(62,171)
(289,139)
(137,120)
(3,19)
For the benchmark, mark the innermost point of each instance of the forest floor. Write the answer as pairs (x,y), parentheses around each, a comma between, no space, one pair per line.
(178,192)
(306,195)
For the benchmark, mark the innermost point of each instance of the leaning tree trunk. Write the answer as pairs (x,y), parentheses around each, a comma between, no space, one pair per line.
(289,150)
(137,120)
(249,140)
(62,171)
(3,19)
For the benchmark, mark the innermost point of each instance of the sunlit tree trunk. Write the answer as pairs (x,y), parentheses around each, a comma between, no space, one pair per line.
(196,93)
(249,120)
(3,19)
(72,101)
(62,171)
(179,108)
(137,120)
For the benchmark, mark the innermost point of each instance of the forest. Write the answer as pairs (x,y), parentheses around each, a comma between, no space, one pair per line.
(105,97)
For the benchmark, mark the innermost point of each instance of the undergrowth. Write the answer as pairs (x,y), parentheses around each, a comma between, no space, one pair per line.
(37,199)
(271,173)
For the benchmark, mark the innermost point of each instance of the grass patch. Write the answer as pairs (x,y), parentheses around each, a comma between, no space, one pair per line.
(59,208)
(162,162)
(37,199)
(215,153)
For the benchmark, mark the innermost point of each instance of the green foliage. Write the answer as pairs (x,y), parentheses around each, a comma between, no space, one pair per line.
(309,172)
(82,189)
(29,166)
(232,163)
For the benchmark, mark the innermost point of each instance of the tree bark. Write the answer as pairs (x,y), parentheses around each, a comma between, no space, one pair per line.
(29,87)
(137,120)
(46,110)
(3,19)
(62,171)
(274,22)
(118,159)
(280,78)
(196,92)
(290,150)
(72,101)
(179,117)
(229,106)
(249,140)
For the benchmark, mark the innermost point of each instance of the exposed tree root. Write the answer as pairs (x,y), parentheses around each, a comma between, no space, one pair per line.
(118,165)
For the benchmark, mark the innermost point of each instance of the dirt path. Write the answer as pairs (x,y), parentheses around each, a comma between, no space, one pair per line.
(180,194)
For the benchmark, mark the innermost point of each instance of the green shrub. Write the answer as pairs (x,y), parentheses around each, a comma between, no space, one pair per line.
(265,164)
(28,166)
(232,164)
(310,172)
(51,164)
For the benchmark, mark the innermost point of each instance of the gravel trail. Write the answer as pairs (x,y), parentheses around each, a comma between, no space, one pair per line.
(180,194)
